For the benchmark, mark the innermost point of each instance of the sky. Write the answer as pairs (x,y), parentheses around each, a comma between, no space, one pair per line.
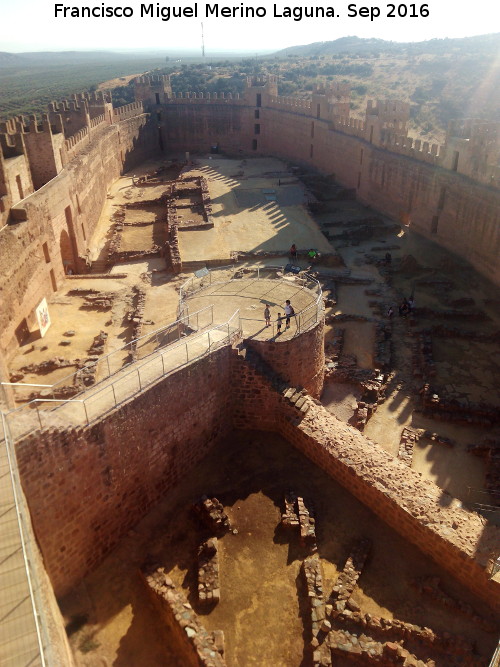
(42,31)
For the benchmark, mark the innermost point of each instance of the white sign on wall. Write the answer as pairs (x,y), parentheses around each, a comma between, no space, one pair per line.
(43,317)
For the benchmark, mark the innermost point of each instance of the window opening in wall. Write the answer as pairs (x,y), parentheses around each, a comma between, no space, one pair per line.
(160,139)
(45,248)
(442,196)
(311,150)
(83,233)
(22,332)
(258,102)
(78,207)
(53,280)
(257,113)
(20,186)
(454,165)
(371,133)
(254,144)
(157,96)
(318,111)
(434,224)
(257,128)
(312,130)
(361,157)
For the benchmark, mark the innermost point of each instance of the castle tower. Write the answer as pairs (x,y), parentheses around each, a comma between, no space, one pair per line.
(15,176)
(74,115)
(260,89)
(152,89)
(44,142)
(386,118)
(331,101)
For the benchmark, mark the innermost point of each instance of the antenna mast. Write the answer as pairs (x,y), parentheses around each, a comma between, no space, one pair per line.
(202,43)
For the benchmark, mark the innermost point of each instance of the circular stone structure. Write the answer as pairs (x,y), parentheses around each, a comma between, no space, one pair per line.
(297,353)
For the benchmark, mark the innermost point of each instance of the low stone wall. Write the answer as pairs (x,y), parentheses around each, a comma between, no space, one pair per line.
(195,647)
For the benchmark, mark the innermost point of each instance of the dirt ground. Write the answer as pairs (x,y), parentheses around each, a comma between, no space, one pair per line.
(465,369)
(245,219)
(262,593)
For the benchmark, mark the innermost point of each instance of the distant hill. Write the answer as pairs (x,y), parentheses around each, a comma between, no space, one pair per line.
(10,59)
(49,58)
(486,44)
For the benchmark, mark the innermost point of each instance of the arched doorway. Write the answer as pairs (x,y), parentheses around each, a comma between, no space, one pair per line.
(66,249)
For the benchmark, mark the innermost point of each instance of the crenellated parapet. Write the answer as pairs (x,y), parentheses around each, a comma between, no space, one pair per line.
(190,97)
(128,111)
(152,89)
(290,103)
(352,126)
(415,148)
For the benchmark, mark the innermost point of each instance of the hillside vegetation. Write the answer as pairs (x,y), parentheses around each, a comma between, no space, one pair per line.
(28,82)
(442,79)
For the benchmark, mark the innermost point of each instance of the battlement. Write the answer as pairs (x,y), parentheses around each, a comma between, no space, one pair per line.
(71,143)
(416,148)
(12,145)
(262,81)
(63,106)
(128,111)
(291,102)
(98,120)
(333,89)
(353,126)
(201,97)
(387,108)
(153,80)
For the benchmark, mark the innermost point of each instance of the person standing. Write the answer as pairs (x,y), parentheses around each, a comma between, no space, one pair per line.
(278,324)
(267,315)
(289,312)
(293,253)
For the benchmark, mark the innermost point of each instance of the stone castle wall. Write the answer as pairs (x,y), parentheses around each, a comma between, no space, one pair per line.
(87,486)
(62,216)
(299,361)
(54,173)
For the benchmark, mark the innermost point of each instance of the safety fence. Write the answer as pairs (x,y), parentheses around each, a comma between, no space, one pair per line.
(109,364)
(122,385)
(256,327)
(23,624)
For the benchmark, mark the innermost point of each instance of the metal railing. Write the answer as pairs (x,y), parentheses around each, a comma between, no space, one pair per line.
(300,321)
(137,349)
(24,527)
(113,390)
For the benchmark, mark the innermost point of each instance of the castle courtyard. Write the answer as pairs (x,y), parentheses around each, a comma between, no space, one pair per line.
(193,485)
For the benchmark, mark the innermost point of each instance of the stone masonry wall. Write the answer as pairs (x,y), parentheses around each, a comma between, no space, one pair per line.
(299,361)
(87,486)
(454,538)
(446,206)
(63,214)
